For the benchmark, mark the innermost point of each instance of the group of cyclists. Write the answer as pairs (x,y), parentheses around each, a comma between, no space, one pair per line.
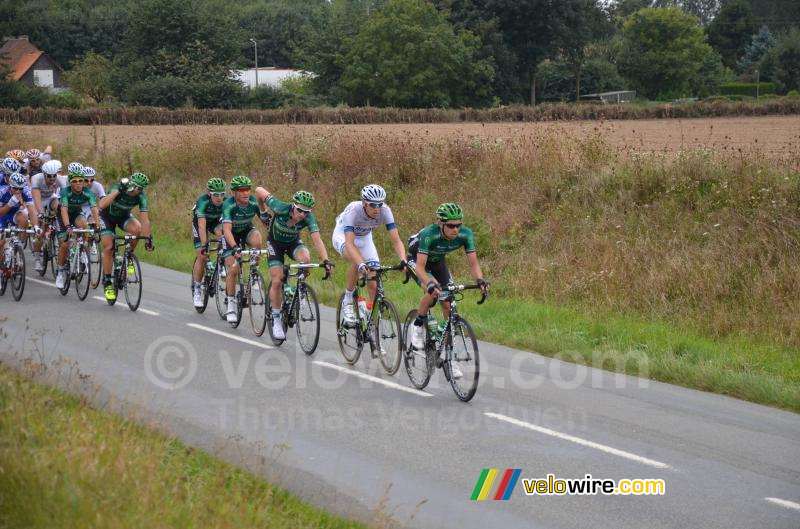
(229,218)
(35,189)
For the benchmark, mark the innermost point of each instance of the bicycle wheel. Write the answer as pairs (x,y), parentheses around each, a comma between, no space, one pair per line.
(96,265)
(241,299)
(462,351)
(45,258)
(306,317)
(270,321)
(67,276)
(259,303)
(133,283)
(82,273)
(419,364)
(389,337)
(52,243)
(117,280)
(220,295)
(349,337)
(18,274)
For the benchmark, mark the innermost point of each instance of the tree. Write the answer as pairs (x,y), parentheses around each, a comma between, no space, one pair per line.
(661,52)
(704,10)
(407,55)
(581,23)
(730,31)
(781,63)
(761,43)
(91,77)
(557,83)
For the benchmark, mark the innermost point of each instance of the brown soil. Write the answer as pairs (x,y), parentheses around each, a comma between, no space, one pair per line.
(777,137)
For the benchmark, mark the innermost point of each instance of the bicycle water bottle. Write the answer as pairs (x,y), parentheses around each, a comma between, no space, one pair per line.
(433,327)
(362,308)
(210,266)
(118,260)
(288,291)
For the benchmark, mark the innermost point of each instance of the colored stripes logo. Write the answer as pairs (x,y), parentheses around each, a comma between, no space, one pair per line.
(496,484)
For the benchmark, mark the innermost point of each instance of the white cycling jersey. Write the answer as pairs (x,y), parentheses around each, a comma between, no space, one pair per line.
(48,192)
(99,192)
(354,219)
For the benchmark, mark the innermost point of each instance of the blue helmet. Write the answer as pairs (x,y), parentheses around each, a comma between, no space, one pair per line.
(11,165)
(16,180)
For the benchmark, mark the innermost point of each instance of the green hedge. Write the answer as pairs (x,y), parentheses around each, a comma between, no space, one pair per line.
(747,89)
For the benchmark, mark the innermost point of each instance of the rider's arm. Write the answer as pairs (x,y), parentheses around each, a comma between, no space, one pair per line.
(227,232)
(397,244)
(32,215)
(64,215)
(95,215)
(37,199)
(422,260)
(106,201)
(474,266)
(145,223)
(319,245)
(261,197)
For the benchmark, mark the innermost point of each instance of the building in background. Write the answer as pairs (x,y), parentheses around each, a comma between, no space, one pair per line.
(268,76)
(31,66)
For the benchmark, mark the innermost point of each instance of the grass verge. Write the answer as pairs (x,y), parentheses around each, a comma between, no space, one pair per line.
(63,463)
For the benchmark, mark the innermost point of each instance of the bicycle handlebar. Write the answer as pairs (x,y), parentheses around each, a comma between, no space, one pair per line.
(7,231)
(459,288)
(304,266)
(132,238)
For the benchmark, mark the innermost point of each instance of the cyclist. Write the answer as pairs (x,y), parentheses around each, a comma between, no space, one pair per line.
(73,199)
(115,211)
(237,232)
(95,187)
(352,238)
(427,251)
(16,207)
(206,218)
(46,188)
(284,239)
(33,162)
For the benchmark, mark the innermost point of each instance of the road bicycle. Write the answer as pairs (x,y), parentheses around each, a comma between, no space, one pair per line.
(299,307)
(456,345)
(95,249)
(208,281)
(12,267)
(78,264)
(250,290)
(378,325)
(49,246)
(127,273)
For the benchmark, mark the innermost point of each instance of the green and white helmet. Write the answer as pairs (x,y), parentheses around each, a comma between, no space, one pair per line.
(449,211)
(239,182)
(304,198)
(140,179)
(216,185)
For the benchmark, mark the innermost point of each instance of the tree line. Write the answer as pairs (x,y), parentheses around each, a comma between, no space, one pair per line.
(404,53)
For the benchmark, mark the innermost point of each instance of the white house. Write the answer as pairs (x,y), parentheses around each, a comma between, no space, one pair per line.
(268,76)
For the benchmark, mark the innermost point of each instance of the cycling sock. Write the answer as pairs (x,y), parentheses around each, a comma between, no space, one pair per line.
(420,319)
(348,296)
(276,314)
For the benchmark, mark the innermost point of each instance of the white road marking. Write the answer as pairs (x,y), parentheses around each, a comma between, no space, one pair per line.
(578,440)
(231,336)
(377,380)
(149,312)
(46,283)
(784,503)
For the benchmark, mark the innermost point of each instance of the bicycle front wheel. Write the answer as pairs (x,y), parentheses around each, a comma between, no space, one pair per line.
(96,266)
(259,303)
(45,254)
(419,364)
(52,244)
(133,282)
(389,337)
(220,294)
(348,336)
(18,274)
(82,274)
(462,355)
(306,317)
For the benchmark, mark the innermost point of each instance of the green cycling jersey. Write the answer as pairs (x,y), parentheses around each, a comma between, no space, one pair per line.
(280,230)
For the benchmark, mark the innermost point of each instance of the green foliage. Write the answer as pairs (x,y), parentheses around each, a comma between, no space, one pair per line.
(760,44)
(91,76)
(65,99)
(782,62)
(263,97)
(15,95)
(407,55)
(166,91)
(747,89)
(661,51)
(556,80)
(730,31)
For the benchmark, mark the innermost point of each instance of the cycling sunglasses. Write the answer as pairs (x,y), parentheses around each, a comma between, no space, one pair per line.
(217,194)
(301,210)
(453,226)
(375,204)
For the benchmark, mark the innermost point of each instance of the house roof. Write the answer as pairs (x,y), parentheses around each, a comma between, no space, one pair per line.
(20,55)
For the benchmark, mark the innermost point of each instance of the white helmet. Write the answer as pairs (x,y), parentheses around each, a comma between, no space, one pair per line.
(373,193)
(89,172)
(51,167)
(75,167)
(11,165)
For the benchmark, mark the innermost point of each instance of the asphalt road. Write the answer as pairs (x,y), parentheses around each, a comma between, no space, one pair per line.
(369,447)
